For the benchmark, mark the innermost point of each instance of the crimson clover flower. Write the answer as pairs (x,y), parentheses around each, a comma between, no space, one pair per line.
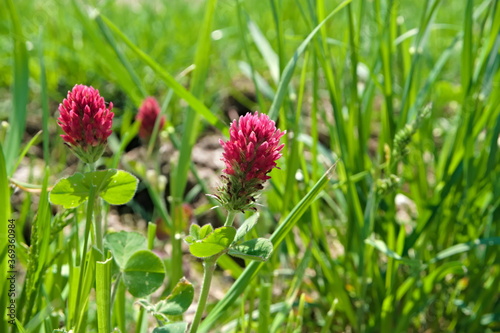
(86,120)
(148,113)
(249,155)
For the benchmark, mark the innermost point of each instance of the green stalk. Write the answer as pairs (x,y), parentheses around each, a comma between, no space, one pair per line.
(265,295)
(99,237)
(20,90)
(230,218)
(90,210)
(190,133)
(140,321)
(103,295)
(209,267)
(115,290)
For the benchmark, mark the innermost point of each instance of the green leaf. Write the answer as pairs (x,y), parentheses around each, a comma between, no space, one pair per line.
(197,234)
(194,231)
(120,188)
(189,240)
(143,273)
(204,231)
(179,327)
(69,192)
(246,227)
(259,249)
(216,242)
(146,305)
(117,187)
(124,244)
(179,300)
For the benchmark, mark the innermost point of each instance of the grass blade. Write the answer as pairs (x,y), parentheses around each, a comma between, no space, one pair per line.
(123,59)
(17,118)
(267,52)
(44,101)
(190,132)
(464,247)
(288,71)
(169,80)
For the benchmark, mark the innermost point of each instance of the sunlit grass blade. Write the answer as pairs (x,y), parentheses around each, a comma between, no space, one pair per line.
(267,52)
(295,149)
(22,154)
(17,118)
(121,56)
(431,79)
(464,247)
(428,15)
(39,251)
(265,302)
(293,292)
(248,69)
(44,101)
(191,127)
(288,71)
(386,36)
(106,55)
(329,317)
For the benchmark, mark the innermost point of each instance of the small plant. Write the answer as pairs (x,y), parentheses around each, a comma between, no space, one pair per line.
(87,120)
(148,116)
(249,155)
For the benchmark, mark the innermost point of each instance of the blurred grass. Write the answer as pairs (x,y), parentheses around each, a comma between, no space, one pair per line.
(17,118)
(5,215)
(410,256)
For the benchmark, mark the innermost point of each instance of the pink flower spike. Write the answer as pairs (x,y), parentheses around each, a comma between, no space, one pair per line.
(86,120)
(249,155)
(148,113)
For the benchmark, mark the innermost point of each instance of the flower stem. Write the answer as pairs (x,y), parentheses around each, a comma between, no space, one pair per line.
(97,219)
(209,267)
(98,227)
(88,223)
(230,218)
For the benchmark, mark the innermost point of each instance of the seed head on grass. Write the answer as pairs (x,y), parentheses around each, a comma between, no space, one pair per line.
(249,155)
(147,115)
(86,120)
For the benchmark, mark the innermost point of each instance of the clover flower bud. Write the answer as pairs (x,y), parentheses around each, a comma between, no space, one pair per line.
(249,155)
(147,115)
(86,120)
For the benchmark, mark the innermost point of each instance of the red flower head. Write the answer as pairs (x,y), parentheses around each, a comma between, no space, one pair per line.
(148,113)
(86,120)
(249,155)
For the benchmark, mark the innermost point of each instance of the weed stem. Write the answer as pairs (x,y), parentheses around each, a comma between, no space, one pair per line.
(209,267)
